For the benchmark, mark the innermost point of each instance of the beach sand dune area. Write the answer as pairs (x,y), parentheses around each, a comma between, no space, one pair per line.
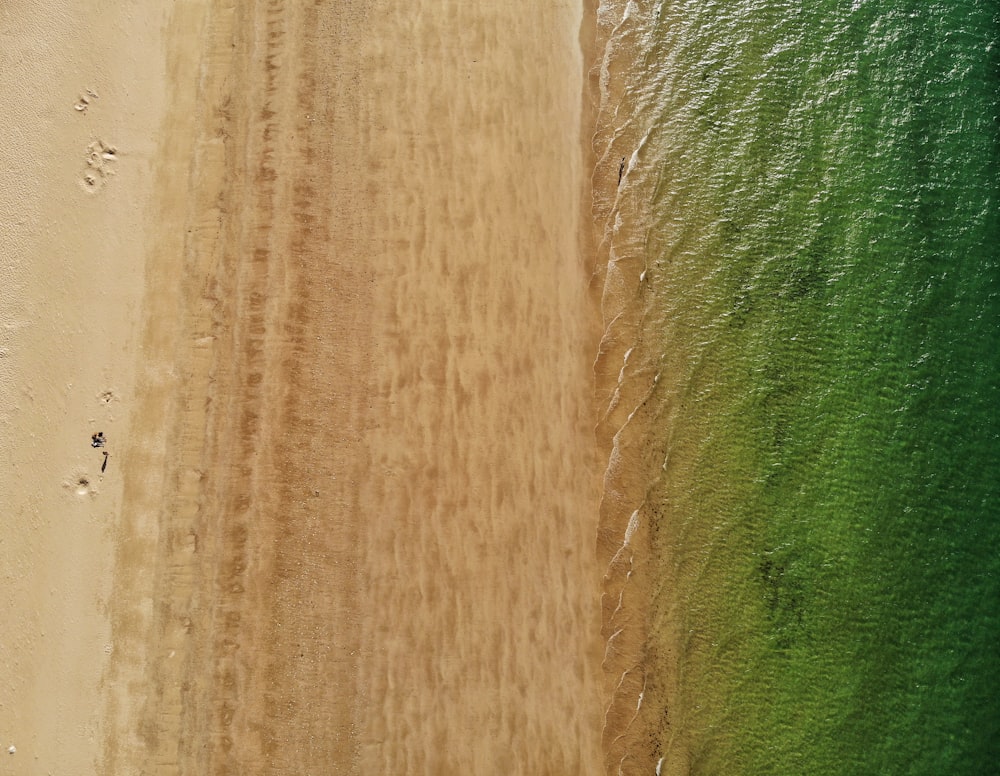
(319,274)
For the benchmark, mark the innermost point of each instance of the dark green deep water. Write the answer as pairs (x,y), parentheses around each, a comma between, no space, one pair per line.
(816,205)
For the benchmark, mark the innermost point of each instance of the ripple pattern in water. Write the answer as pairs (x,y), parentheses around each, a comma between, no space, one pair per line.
(801,378)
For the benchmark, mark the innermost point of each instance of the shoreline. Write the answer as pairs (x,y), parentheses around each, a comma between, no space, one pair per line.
(638,675)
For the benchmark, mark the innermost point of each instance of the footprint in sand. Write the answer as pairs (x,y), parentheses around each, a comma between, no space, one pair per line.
(101,159)
(81,484)
(83,103)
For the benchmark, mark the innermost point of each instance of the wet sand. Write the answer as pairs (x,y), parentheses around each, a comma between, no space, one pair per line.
(345,369)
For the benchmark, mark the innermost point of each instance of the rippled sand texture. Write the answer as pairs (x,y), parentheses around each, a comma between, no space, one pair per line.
(361,496)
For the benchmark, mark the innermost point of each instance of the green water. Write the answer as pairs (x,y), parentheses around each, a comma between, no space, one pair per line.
(815,209)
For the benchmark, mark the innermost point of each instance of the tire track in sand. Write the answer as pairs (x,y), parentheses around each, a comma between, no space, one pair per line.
(249,661)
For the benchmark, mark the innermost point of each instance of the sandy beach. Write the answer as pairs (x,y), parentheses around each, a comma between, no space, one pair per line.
(321,274)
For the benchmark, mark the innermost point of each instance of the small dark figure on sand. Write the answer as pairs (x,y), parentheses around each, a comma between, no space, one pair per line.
(97,440)
(105,464)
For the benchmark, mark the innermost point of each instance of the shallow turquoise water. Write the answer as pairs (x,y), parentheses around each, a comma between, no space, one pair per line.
(814,204)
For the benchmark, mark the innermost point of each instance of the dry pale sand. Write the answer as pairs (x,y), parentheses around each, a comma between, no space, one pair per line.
(320,273)
(84,99)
